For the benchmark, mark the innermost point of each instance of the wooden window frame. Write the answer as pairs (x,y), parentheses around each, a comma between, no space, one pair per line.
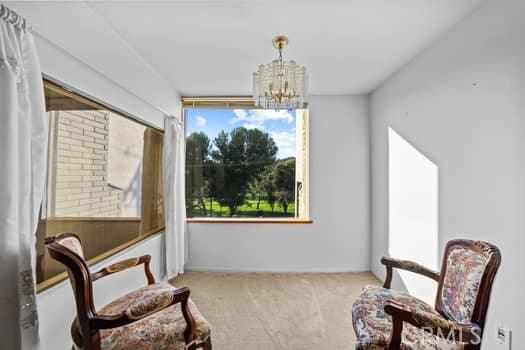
(73,93)
(247,102)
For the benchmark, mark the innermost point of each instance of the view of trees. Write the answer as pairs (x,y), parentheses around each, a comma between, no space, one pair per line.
(237,174)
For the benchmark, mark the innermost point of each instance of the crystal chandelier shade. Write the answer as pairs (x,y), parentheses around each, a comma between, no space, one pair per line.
(280,84)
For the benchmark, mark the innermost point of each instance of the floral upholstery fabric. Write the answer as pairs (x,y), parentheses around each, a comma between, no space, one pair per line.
(461,283)
(146,306)
(373,326)
(122,265)
(163,330)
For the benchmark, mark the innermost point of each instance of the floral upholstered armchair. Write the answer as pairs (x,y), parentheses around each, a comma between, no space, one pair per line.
(386,319)
(157,316)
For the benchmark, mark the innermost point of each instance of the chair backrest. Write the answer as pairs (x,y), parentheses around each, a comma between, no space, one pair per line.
(467,273)
(67,249)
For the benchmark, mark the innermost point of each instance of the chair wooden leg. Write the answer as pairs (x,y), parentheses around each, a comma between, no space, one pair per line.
(202,346)
(395,338)
(207,344)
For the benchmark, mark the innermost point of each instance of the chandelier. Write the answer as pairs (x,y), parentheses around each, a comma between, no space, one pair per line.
(280,84)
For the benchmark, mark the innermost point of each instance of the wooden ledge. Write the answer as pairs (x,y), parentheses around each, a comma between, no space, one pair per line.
(248,221)
(51,281)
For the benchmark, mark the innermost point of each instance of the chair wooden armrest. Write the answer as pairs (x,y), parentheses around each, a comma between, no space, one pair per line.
(149,307)
(126,264)
(429,322)
(407,265)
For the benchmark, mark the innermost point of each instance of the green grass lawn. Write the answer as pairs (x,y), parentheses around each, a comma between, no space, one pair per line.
(247,210)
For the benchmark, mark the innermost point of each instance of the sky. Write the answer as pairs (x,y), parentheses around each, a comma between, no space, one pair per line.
(279,124)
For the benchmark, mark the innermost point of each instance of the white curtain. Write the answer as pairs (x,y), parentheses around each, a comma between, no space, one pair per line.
(174,197)
(23,155)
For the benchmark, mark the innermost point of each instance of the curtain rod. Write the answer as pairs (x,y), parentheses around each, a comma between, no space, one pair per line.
(12,17)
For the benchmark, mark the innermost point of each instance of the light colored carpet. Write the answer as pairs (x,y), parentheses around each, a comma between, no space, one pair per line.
(271,311)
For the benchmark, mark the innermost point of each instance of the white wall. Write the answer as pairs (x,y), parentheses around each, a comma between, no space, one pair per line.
(71,36)
(338,239)
(413,213)
(462,104)
(60,65)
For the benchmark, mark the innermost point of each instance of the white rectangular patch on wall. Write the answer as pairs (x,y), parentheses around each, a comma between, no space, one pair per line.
(413,212)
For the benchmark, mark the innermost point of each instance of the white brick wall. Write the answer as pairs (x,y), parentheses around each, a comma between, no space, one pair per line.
(81,156)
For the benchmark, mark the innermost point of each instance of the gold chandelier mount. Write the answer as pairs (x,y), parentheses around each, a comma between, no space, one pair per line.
(280,42)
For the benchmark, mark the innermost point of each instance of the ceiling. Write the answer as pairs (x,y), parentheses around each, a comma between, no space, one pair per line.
(212,47)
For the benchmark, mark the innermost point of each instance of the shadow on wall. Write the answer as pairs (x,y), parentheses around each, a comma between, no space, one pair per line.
(413,213)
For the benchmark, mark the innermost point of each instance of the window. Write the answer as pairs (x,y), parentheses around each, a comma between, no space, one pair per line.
(244,162)
(104,179)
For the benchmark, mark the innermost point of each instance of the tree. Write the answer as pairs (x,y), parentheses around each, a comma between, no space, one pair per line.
(268,186)
(256,189)
(282,180)
(237,159)
(262,186)
(198,147)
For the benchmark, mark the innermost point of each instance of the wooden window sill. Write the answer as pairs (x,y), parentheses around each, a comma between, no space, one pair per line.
(54,280)
(248,221)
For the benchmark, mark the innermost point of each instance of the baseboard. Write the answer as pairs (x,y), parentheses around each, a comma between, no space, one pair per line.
(273,270)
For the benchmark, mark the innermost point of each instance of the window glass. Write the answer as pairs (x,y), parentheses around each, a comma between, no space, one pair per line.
(104,178)
(246,163)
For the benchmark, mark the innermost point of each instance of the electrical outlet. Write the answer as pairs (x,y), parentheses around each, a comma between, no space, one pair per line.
(503,336)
